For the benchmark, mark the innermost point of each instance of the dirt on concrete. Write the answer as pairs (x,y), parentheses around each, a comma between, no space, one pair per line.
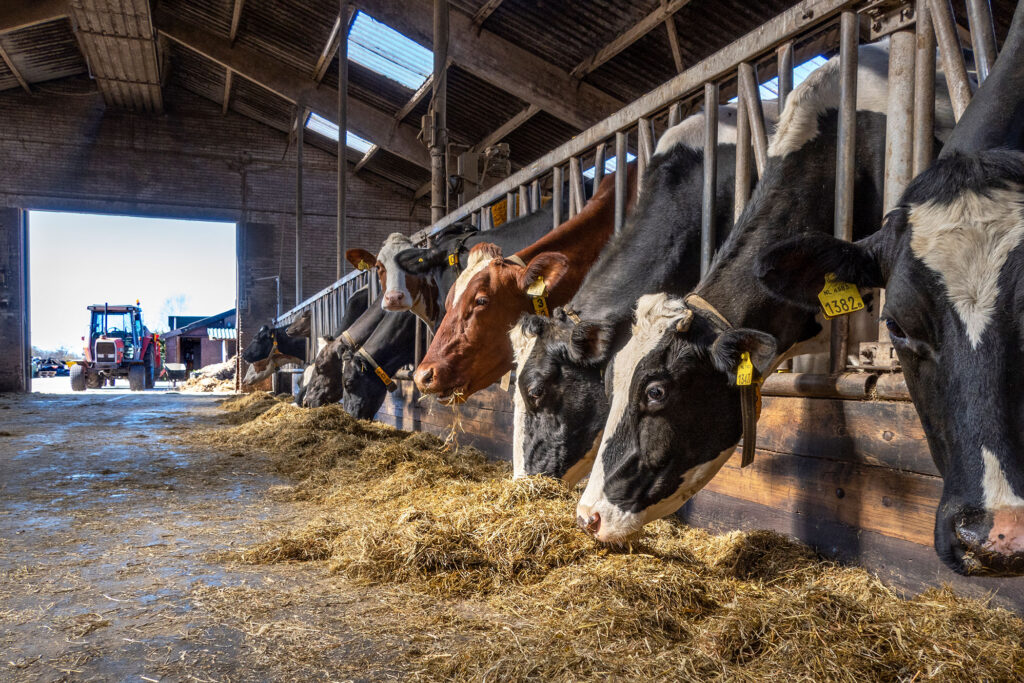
(113,541)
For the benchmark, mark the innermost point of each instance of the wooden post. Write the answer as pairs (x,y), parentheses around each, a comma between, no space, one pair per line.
(707,214)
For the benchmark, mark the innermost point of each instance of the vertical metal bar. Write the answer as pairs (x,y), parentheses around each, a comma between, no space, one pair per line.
(417,348)
(556,196)
(707,214)
(758,130)
(599,162)
(645,148)
(743,159)
(576,183)
(341,231)
(924,90)
(300,127)
(952,57)
(785,73)
(438,104)
(675,114)
(983,36)
(510,206)
(535,195)
(574,200)
(849,37)
(524,201)
(621,177)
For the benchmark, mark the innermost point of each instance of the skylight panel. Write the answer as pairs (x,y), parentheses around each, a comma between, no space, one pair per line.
(770,89)
(609,165)
(319,124)
(384,50)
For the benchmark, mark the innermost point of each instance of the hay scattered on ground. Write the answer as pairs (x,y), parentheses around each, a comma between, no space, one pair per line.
(521,594)
(219,377)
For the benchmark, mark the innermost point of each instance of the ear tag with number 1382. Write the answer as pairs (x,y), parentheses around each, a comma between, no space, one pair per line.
(745,371)
(839,298)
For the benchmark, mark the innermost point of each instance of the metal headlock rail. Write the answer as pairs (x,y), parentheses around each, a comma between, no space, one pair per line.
(810,28)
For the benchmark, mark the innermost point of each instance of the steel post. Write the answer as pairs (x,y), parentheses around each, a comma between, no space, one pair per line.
(924,89)
(621,178)
(707,214)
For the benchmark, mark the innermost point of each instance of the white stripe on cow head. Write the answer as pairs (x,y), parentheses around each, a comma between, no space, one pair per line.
(396,293)
(522,347)
(995,486)
(480,256)
(966,242)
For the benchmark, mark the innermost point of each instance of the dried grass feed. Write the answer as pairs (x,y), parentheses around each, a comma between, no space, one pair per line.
(488,579)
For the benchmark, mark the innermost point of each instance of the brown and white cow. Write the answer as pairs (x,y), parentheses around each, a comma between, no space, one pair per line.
(402,291)
(471,349)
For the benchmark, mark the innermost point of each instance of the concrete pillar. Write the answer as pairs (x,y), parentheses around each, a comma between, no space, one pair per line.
(15,360)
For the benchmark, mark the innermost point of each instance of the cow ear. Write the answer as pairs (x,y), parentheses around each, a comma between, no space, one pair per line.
(416,261)
(549,265)
(794,270)
(590,342)
(361,259)
(727,351)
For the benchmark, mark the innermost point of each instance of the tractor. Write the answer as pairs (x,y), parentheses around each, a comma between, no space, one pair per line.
(119,345)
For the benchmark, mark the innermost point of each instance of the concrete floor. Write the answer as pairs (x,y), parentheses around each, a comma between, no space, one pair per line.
(115,552)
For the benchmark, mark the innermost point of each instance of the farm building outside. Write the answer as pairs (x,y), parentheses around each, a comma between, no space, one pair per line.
(164,535)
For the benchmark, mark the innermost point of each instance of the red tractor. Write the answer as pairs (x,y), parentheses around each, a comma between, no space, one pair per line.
(119,346)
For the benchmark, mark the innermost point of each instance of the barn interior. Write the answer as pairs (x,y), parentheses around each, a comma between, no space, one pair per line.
(230,110)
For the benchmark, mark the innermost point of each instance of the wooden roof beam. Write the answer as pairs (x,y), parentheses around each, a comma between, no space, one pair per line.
(417,96)
(487,10)
(673,43)
(228,78)
(236,19)
(14,70)
(630,36)
(19,14)
(364,120)
(323,62)
(510,67)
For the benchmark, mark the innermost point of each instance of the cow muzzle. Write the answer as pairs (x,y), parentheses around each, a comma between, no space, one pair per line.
(991,542)
(395,300)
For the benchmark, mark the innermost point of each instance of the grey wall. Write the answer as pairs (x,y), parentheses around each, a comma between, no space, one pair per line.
(14,360)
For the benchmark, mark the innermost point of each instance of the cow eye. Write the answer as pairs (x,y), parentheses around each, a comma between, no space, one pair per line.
(655,394)
(535,391)
(895,331)
(482,301)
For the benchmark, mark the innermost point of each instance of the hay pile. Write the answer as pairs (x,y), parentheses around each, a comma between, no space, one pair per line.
(513,591)
(218,377)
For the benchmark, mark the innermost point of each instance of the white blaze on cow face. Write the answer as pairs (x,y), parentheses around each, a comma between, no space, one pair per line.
(397,296)
(995,487)
(522,347)
(966,242)
(477,260)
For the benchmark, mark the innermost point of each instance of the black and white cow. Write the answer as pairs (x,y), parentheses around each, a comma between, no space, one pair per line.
(326,386)
(675,414)
(560,402)
(951,259)
(355,307)
(272,348)
(368,370)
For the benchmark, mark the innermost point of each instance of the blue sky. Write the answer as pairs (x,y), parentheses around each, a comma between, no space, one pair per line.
(170,266)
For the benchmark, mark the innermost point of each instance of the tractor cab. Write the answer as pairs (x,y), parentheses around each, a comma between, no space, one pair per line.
(118,346)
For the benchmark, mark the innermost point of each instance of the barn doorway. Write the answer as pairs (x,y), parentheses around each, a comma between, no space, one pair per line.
(178,272)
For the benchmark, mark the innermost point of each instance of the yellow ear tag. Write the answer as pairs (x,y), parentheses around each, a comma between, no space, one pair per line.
(839,298)
(538,291)
(745,371)
(453,259)
(363,265)
(383,375)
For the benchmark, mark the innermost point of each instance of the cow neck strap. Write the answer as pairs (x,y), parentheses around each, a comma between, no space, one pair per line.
(349,340)
(456,252)
(516,260)
(750,395)
(571,315)
(378,370)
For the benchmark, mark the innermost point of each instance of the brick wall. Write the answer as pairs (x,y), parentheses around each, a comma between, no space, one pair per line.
(67,152)
(15,358)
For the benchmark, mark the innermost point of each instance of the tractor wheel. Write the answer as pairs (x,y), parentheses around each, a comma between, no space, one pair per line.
(93,381)
(150,370)
(137,377)
(78,377)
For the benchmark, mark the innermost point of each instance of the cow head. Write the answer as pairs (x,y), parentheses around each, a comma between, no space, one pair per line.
(950,259)
(364,392)
(560,403)
(471,349)
(260,346)
(325,386)
(663,439)
(301,327)
(402,292)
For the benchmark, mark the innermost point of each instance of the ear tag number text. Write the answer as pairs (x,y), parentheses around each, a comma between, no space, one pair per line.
(453,259)
(745,371)
(538,292)
(839,298)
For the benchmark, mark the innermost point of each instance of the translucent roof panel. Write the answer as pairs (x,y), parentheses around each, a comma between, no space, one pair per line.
(770,89)
(381,48)
(319,124)
(609,165)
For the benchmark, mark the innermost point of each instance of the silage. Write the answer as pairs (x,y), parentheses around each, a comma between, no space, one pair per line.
(676,604)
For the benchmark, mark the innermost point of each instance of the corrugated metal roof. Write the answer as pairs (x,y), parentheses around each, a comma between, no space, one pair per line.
(539,135)
(43,53)
(292,31)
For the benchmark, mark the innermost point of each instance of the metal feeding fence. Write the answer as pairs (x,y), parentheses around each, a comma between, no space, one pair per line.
(810,28)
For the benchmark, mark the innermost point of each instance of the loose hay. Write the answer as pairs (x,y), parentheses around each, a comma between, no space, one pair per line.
(518,593)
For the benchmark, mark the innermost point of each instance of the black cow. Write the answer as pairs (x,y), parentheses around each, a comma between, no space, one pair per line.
(950,259)
(368,371)
(676,412)
(355,306)
(271,348)
(560,402)
(326,385)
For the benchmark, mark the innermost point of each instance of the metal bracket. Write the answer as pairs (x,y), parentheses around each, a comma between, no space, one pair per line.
(879,356)
(888,16)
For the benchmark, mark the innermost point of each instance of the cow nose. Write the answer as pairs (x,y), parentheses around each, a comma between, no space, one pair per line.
(588,521)
(992,541)
(394,297)
(424,377)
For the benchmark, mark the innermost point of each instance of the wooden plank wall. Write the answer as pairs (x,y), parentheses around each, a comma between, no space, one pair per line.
(853,478)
